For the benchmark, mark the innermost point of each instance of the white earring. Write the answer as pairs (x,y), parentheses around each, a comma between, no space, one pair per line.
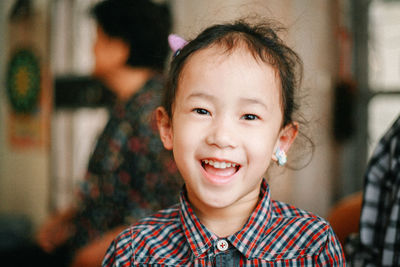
(281,156)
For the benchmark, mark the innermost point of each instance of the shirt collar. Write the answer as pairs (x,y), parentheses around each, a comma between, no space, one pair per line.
(250,235)
(201,239)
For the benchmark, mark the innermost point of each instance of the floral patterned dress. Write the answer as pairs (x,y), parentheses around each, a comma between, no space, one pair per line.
(130,174)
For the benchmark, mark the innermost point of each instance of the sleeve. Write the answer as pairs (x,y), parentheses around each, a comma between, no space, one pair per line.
(380,186)
(109,258)
(332,253)
(379,214)
(103,195)
(119,253)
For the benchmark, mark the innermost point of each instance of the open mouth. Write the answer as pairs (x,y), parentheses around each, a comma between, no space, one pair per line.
(220,168)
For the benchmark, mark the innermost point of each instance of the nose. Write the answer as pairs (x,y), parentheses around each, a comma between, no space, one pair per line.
(222,134)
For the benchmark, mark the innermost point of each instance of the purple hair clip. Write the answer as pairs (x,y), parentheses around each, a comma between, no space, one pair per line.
(176,43)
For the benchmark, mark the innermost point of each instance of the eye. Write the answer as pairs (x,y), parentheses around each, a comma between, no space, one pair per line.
(201,111)
(250,117)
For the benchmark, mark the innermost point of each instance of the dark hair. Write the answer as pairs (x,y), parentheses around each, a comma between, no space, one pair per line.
(142,24)
(262,41)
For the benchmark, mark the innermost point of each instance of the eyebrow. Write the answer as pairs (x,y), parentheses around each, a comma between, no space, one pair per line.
(253,101)
(243,100)
(201,95)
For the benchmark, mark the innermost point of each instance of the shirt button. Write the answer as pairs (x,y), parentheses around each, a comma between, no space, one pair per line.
(222,245)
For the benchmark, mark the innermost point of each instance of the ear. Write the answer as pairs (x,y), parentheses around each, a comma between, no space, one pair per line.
(164,127)
(286,137)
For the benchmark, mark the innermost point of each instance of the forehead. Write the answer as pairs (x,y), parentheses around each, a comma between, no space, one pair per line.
(218,54)
(238,65)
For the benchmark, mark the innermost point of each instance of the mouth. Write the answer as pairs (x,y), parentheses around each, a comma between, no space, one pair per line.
(220,168)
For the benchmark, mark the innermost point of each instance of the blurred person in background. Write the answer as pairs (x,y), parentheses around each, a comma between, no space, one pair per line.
(130,174)
(378,241)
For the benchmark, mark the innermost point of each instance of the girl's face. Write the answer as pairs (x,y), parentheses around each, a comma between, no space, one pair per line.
(226,125)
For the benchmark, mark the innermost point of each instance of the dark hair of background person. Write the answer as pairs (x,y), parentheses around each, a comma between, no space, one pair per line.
(142,24)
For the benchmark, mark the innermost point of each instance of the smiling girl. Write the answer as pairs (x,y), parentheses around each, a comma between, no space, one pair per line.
(227,114)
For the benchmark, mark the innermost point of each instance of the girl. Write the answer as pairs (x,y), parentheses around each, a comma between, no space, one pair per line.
(227,113)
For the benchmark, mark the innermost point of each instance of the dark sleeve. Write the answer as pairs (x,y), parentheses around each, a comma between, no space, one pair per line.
(379,222)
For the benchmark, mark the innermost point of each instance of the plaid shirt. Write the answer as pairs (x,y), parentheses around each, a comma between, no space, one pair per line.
(276,234)
(378,243)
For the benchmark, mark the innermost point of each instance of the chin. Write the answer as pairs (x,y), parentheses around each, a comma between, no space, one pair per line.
(219,202)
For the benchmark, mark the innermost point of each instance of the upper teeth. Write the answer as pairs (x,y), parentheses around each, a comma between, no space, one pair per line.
(219,164)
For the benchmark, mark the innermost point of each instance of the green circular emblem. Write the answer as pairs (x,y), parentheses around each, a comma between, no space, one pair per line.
(23,81)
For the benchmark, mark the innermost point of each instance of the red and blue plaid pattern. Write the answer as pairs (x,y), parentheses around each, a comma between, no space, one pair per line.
(276,234)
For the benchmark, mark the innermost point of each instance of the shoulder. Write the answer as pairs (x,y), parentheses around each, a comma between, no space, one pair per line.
(159,225)
(140,109)
(389,139)
(299,221)
(146,240)
(163,219)
(284,210)
(297,233)
(148,97)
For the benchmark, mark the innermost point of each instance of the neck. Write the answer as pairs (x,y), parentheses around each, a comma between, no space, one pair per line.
(126,81)
(228,220)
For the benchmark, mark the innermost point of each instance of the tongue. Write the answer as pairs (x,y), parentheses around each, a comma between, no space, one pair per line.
(220,172)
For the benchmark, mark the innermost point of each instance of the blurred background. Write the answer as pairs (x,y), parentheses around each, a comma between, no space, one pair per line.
(351,54)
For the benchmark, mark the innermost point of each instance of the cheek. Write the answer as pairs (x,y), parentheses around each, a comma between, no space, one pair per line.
(260,151)
(185,144)
(104,59)
(184,135)
(260,146)
(259,161)
(100,62)
(187,137)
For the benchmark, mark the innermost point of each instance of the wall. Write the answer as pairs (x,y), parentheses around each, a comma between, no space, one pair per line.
(313,37)
(24,173)
(310,33)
